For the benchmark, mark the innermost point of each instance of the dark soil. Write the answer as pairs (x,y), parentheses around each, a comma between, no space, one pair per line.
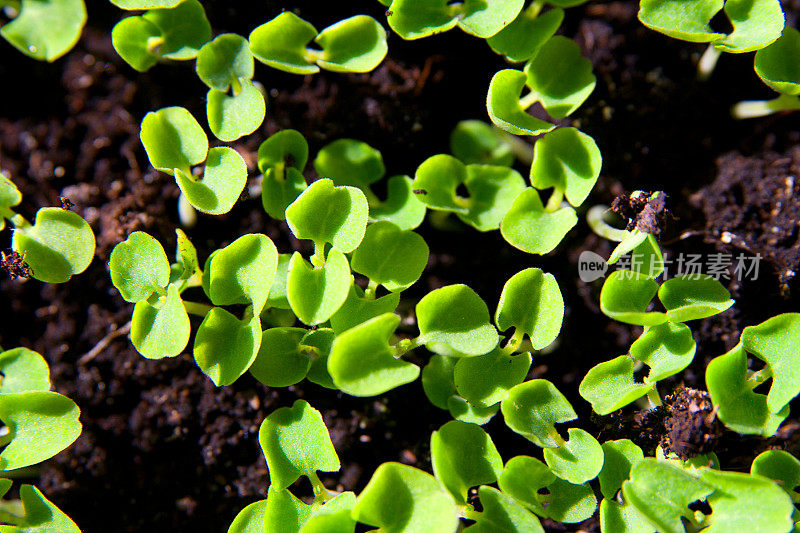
(164,450)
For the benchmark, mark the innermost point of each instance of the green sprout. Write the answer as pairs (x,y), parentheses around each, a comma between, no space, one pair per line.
(45,29)
(731,384)
(226,64)
(412,19)
(168,30)
(58,245)
(175,143)
(281,159)
(525,36)
(356,44)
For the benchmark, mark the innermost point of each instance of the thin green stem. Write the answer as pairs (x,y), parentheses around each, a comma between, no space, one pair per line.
(521,150)
(17,220)
(757,378)
(198,309)
(533,10)
(321,494)
(762,108)
(318,259)
(404,346)
(514,342)
(369,292)
(528,100)
(596,221)
(554,202)
(553,432)
(236,86)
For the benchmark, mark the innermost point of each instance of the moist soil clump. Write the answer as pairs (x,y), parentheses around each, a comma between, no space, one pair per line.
(692,425)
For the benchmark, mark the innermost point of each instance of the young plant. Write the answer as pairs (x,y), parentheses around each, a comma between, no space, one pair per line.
(412,19)
(175,143)
(226,65)
(355,44)
(731,384)
(44,29)
(174,30)
(38,424)
(525,36)
(58,245)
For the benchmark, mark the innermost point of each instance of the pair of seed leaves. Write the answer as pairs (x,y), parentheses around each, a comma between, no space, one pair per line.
(283,156)
(40,422)
(398,497)
(178,30)
(776,342)
(415,19)
(666,346)
(650,495)
(56,246)
(46,29)
(565,159)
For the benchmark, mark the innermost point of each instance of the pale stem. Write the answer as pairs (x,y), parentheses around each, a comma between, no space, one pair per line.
(321,494)
(553,432)
(318,259)
(763,108)
(705,67)
(514,342)
(404,346)
(521,150)
(533,10)
(236,86)
(528,100)
(596,221)
(755,379)
(554,202)
(195,308)
(17,220)
(186,212)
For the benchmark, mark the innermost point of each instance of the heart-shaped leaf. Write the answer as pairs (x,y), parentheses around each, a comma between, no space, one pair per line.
(492,192)
(23,370)
(58,245)
(438,380)
(568,502)
(281,361)
(242,272)
(485,380)
(40,514)
(283,150)
(533,408)
(415,19)
(225,347)
(436,181)
(237,115)
(362,362)
(355,44)
(296,443)
(279,189)
(9,197)
(41,424)
(531,302)
(173,139)
(756,24)
(325,213)
(524,37)
(463,456)
(682,19)
(225,61)
(454,321)
(503,105)
(560,77)
(666,348)
(777,342)
(250,519)
(463,411)
(390,256)
(399,497)
(612,385)
(316,293)
(223,181)
(692,297)
(402,207)
(578,460)
(626,295)
(780,466)
(567,160)
(139,267)
(161,329)
(46,29)
(281,43)
(531,228)
(522,478)
(350,162)
(738,406)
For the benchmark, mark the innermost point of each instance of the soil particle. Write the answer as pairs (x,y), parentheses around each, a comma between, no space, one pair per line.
(754,205)
(648,215)
(692,425)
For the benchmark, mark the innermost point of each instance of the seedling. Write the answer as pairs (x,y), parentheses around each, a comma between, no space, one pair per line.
(38,425)
(732,385)
(45,29)
(356,44)
(168,31)
(58,245)
(414,20)
(525,36)
(175,142)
